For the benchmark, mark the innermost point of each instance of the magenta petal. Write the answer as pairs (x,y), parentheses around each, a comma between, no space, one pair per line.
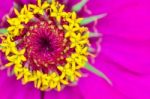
(94,87)
(126,35)
(22,2)
(27,1)
(66,93)
(10,88)
(125,51)
(5,7)
(128,83)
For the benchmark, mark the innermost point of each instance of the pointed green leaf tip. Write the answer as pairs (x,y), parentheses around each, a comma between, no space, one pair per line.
(94,34)
(97,72)
(3,30)
(79,5)
(49,1)
(92,19)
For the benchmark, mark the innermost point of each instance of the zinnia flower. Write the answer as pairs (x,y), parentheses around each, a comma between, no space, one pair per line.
(47,45)
(124,55)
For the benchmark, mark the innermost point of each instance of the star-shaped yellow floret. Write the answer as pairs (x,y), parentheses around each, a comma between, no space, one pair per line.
(40,8)
(57,11)
(17,58)
(70,71)
(27,76)
(18,70)
(79,39)
(82,50)
(16,26)
(40,79)
(25,15)
(8,46)
(70,30)
(24,73)
(53,80)
(52,83)
(77,59)
(73,20)
(59,80)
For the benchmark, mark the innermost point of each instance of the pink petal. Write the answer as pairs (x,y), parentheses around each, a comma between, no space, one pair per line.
(66,93)
(5,7)
(10,88)
(125,47)
(22,2)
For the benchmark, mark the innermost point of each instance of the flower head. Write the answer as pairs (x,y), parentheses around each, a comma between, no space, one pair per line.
(46,45)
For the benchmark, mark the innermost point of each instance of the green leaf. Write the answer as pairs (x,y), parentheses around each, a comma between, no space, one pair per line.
(16,5)
(49,1)
(3,31)
(94,34)
(90,49)
(77,7)
(97,72)
(92,19)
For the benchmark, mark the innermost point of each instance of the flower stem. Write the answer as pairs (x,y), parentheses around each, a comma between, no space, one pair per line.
(42,94)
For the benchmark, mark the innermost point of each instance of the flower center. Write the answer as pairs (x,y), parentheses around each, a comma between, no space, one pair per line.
(45,44)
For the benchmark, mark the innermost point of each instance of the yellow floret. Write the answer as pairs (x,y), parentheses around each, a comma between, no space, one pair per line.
(78,59)
(79,39)
(70,30)
(74,20)
(70,71)
(15,28)
(57,11)
(40,8)
(25,15)
(8,46)
(17,58)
